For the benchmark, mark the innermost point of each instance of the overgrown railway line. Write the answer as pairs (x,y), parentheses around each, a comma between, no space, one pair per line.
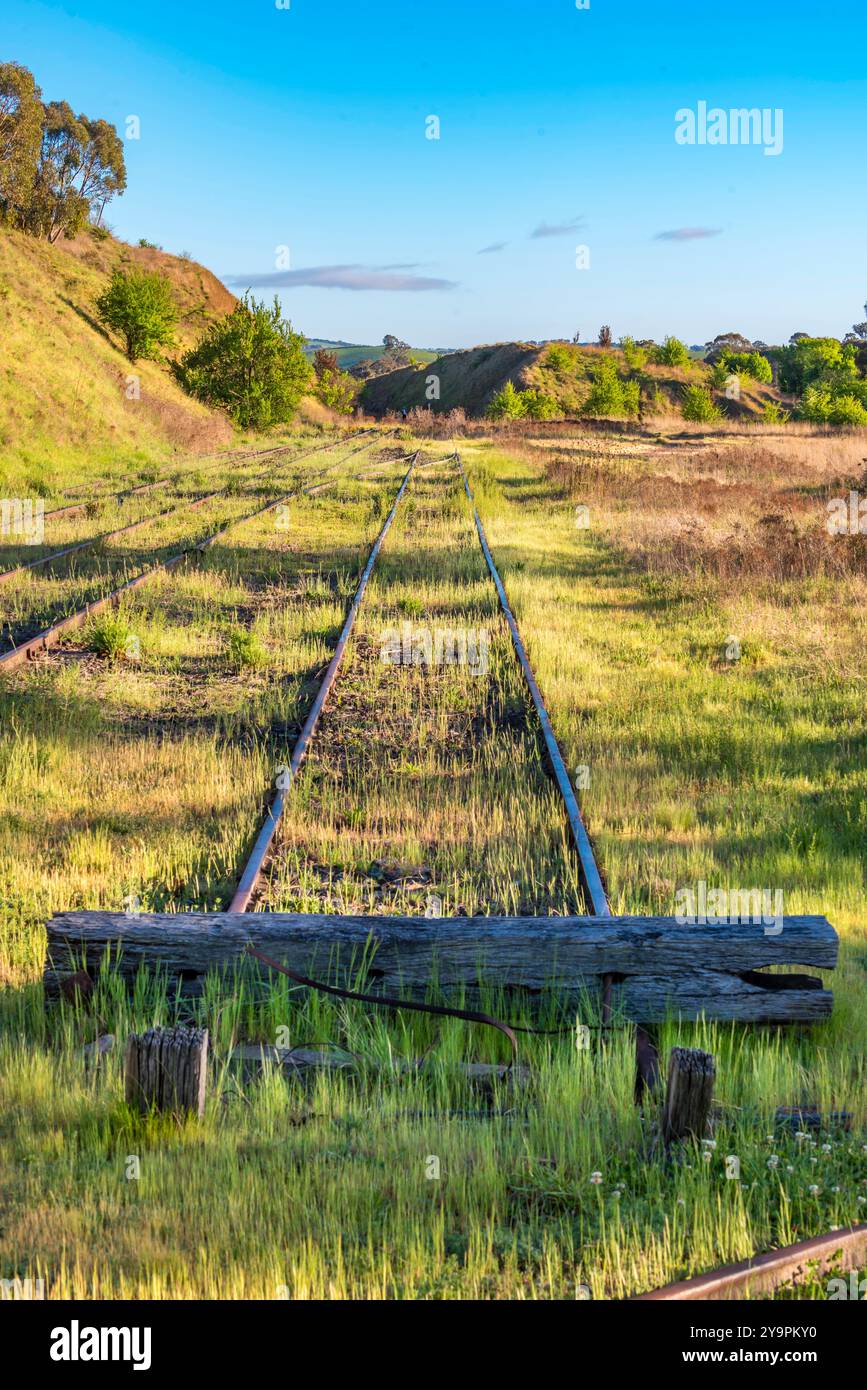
(252,872)
(29,637)
(607,946)
(648,967)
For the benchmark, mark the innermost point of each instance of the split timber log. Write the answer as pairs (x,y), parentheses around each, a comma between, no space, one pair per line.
(660,967)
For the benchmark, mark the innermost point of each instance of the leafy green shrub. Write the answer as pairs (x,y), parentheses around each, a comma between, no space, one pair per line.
(559,357)
(540,406)
(251,364)
(811,361)
(698,404)
(671,353)
(338,390)
(848,409)
(636,357)
(719,375)
(774,414)
(609,394)
(245,649)
(822,407)
(508,404)
(140,306)
(750,364)
(511,404)
(109,635)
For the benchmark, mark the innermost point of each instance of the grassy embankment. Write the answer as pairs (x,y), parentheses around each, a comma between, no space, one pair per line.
(71,404)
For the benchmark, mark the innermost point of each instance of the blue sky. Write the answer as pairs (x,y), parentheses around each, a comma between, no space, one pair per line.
(306,128)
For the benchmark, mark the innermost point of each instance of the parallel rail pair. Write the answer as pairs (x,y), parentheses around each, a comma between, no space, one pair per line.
(651,968)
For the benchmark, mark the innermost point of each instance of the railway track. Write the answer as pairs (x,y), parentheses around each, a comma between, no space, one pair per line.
(841,1250)
(254,867)
(187,504)
(49,636)
(596,895)
(99,499)
(252,870)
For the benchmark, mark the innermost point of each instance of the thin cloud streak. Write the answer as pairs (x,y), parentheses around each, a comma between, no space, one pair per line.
(546,229)
(494,246)
(340,277)
(688,234)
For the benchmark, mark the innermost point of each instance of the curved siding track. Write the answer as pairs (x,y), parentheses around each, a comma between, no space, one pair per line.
(81,504)
(51,635)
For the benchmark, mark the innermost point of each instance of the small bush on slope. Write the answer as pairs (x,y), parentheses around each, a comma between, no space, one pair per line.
(250,363)
(140,306)
(610,395)
(698,404)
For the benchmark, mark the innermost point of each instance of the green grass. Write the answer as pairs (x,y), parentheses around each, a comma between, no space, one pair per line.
(145,780)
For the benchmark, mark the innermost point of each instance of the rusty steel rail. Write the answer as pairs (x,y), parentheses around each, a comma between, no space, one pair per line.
(844,1250)
(50,636)
(589,869)
(253,868)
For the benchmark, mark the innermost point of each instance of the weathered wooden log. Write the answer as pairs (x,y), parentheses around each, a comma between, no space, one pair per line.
(688,1095)
(659,966)
(301,1061)
(166,1070)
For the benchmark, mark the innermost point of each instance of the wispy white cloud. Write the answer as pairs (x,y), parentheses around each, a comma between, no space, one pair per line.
(688,234)
(342,277)
(557,228)
(494,246)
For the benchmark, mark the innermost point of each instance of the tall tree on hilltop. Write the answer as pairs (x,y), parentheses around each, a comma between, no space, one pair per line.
(81,167)
(57,169)
(20,137)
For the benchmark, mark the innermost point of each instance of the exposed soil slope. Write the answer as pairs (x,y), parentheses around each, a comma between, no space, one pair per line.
(467,379)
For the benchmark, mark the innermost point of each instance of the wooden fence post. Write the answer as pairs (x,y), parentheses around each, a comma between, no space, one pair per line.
(688,1095)
(166,1070)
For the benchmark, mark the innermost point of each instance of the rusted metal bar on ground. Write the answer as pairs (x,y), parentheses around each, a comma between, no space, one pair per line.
(646,1064)
(654,960)
(329,482)
(306,1061)
(50,636)
(390,1001)
(253,868)
(838,1250)
(590,872)
(185,503)
(108,536)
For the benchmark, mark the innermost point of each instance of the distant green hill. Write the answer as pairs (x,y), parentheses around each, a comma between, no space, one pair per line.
(350,354)
(469,378)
